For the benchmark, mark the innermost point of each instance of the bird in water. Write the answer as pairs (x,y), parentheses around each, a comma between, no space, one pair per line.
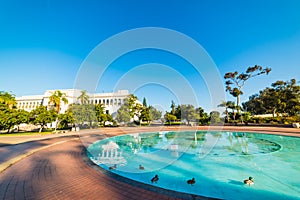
(191,181)
(113,167)
(141,167)
(154,179)
(249,181)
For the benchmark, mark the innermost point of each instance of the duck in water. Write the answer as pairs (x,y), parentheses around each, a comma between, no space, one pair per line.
(155,179)
(141,167)
(191,181)
(113,167)
(249,181)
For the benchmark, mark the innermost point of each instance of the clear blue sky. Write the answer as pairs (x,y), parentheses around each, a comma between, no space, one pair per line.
(44,42)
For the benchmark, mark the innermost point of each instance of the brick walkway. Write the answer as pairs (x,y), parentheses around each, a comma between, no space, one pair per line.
(61,172)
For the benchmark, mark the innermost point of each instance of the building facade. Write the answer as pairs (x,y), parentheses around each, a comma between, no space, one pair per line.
(111,101)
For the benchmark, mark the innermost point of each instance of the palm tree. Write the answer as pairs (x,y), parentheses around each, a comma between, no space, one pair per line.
(8,99)
(233,107)
(226,105)
(83,98)
(55,102)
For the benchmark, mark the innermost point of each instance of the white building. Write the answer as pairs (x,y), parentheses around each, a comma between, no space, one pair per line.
(111,101)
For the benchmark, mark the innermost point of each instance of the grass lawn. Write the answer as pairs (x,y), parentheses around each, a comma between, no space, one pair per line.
(27,133)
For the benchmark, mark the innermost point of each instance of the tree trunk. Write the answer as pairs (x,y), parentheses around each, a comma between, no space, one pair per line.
(56,124)
(226,112)
(238,107)
(274,112)
(41,128)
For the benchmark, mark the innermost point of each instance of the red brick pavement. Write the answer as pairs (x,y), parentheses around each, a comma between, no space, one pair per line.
(61,172)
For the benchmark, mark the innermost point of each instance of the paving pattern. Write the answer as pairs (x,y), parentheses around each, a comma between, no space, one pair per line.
(59,169)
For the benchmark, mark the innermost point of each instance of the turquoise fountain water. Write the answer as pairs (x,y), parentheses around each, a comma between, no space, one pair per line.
(219,162)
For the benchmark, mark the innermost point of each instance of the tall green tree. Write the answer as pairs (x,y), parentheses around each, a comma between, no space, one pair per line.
(145,102)
(145,114)
(83,97)
(55,101)
(170,118)
(65,119)
(9,115)
(227,105)
(215,117)
(173,107)
(123,113)
(283,97)
(236,81)
(201,116)
(84,113)
(188,113)
(177,112)
(100,113)
(154,113)
(131,107)
(8,99)
(41,116)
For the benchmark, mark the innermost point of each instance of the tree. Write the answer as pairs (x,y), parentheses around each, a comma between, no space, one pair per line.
(41,116)
(83,113)
(173,106)
(145,114)
(188,113)
(9,116)
(170,118)
(239,80)
(145,102)
(131,107)
(22,116)
(234,108)
(226,105)
(100,113)
(65,119)
(55,100)
(8,99)
(55,103)
(83,97)
(178,112)
(215,117)
(201,116)
(123,113)
(130,101)
(154,113)
(283,97)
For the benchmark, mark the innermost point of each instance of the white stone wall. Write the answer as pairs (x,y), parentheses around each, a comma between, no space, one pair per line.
(111,101)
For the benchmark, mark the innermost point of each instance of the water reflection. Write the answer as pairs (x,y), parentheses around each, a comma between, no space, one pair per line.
(169,146)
